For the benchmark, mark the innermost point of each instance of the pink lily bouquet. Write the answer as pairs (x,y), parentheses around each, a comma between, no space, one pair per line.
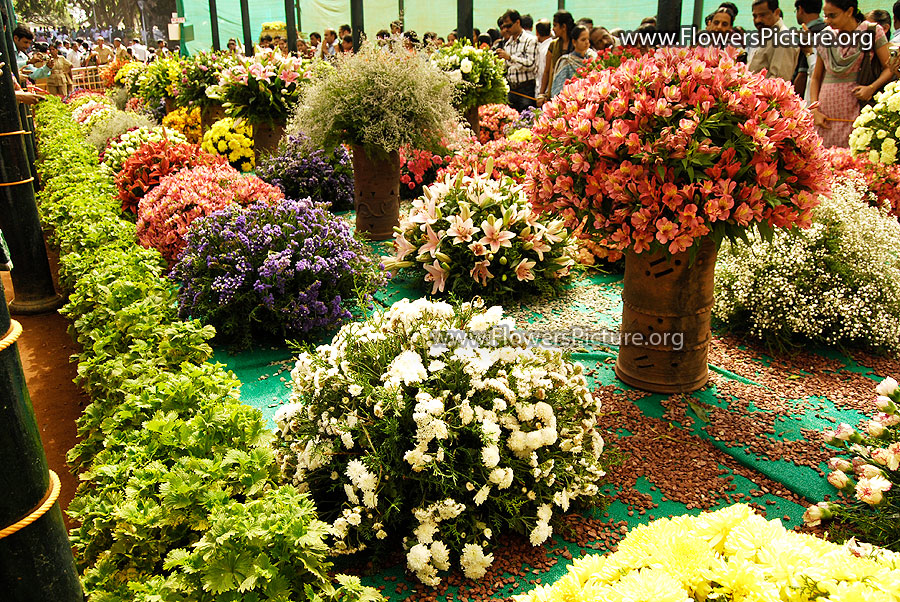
(477,236)
(264,88)
(674,146)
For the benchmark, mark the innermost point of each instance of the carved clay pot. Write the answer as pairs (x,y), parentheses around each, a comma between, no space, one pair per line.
(376,194)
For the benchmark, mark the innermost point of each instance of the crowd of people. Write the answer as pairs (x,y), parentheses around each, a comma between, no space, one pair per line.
(542,55)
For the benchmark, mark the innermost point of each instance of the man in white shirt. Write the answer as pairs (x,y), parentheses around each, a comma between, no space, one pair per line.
(74,54)
(544,37)
(138,50)
(778,61)
(327,49)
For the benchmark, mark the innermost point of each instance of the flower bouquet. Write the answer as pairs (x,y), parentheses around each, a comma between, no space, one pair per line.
(877,128)
(419,168)
(82,113)
(264,89)
(882,179)
(401,429)
(198,73)
(151,162)
(729,554)
(129,75)
(124,146)
(80,96)
(869,477)
(493,120)
(479,75)
(301,171)
(166,212)
(525,121)
(662,158)
(474,236)
(186,121)
(157,83)
(233,140)
(377,101)
(289,269)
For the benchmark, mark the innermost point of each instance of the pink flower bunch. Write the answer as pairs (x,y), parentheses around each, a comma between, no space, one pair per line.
(510,158)
(265,88)
(418,168)
(82,113)
(882,179)
(492,119)
(81,93)
(166,212)
(680,144)
(869,480)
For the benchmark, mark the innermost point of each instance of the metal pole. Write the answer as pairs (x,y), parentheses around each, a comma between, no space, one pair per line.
(37,559)
(245,20)
(214,25)
(698,14)
(291,21)
(32,279)
(9,23)
(668,15)
(465,20)
(357,23)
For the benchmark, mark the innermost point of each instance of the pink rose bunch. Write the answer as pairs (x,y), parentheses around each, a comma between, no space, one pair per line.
(883,179)
(492,119)
(869,481)
(675,146)
(83,113)
(510,158)
(166,212)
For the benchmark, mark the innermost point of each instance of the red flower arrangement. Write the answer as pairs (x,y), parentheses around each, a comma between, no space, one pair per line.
(882,179)
(492,119)
(418,168)
(510,158)
(676,146)
(135,104)
(167,211)
(152,161)
(609,58)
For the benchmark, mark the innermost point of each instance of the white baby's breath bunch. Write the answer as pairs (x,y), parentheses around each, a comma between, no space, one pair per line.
(834,284)
(433,424)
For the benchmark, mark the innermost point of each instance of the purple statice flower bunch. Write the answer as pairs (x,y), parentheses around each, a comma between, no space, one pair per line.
(289,270)
(525,121)
(305,172)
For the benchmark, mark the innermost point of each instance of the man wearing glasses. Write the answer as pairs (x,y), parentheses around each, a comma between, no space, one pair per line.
(520,54)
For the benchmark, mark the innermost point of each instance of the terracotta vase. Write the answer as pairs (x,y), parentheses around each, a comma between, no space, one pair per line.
(170,104)
(266,137)
(211,114)
(376,194)
(666,320)
(471,116)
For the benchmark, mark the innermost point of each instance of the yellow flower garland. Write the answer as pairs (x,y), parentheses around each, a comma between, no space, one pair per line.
(232,140)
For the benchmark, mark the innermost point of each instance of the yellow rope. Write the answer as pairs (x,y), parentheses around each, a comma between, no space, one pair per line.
(15,329)
(16,183)
(13,133)
(49,500)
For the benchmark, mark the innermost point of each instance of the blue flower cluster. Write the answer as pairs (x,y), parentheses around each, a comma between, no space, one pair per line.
(302,172)
(288,270)
(525,121)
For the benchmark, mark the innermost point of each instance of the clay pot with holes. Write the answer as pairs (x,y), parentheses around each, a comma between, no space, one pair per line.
(665,332)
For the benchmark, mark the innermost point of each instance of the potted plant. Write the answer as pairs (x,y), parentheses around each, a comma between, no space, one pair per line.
(479,76)
(198,73)
(377,100)
(662,158)
(262,90)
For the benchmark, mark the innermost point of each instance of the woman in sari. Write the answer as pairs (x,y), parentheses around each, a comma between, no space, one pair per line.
(568,65)
(834,84)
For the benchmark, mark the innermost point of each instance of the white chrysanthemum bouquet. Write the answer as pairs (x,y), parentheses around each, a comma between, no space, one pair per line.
(730,554)
(434,424)
(877,129)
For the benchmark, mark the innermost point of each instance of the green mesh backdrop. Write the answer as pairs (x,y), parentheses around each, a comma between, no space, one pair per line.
(440,15)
